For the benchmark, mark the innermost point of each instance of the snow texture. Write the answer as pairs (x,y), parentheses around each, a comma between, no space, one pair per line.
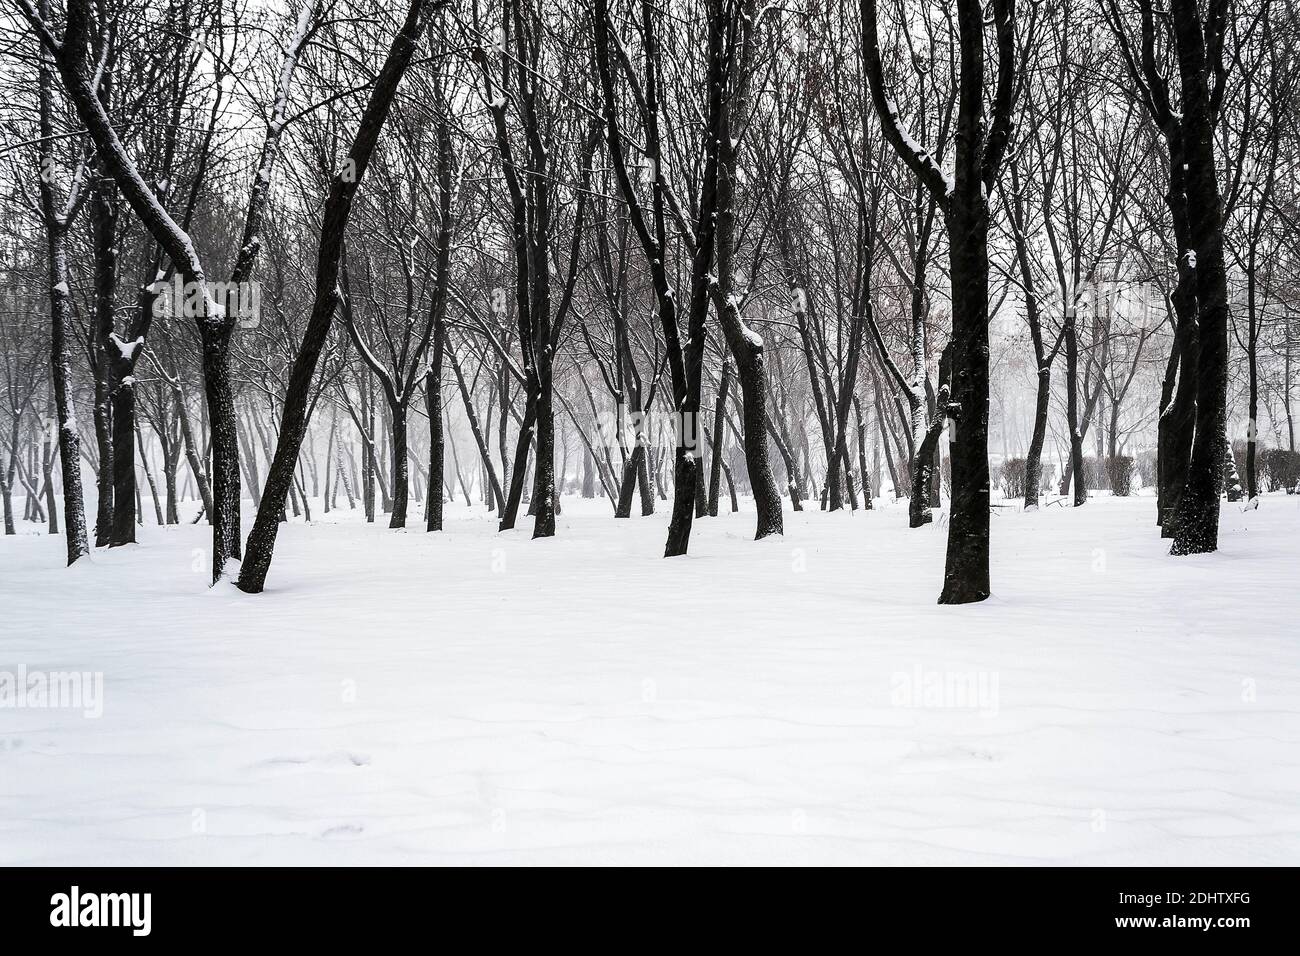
(479,697)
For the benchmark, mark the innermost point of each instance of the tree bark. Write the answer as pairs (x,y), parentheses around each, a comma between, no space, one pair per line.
(400,466)
(433,406)
(338,207)
(719,413)
(1196,523)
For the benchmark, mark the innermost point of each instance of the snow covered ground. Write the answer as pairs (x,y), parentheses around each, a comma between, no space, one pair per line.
(398,697)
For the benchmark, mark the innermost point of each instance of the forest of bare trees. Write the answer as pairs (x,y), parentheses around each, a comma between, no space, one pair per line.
(312,255)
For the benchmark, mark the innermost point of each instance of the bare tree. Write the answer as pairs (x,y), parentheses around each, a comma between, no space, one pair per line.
(964,200)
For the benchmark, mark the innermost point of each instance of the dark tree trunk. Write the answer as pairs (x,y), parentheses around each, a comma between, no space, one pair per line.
(169,486)
(685,469)
(368,453)
(104,478)
(74,60)
(1196,523)
(927,452)
(752,373)
(148,475)
(57,221)
(925,464)
(976,166)
(1034,457)
(519,469)
(495,494)
(192,453)
(631,476)
(966,574)
(123,418)
(745,346)
(47,480)
(544,493)
(338,207)
(643,482)
(701,495)
(7,479)
(385,490)
(531,233)
(401,468)
(868,482)
(1075,471)
(919,513)
(330,485)
(1252,372)
(219,391)
(685,364)
(719,419)
(74,508)
(433,405)
(1177,423)
(979,151)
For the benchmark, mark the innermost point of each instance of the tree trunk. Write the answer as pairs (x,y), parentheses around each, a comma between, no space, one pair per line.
(74,509)
(123,418)
(433,405)
(544,494)
(868,483)
(148,474)
(338,207)
(192,453)
(170,459)
(685,469)
(966,574)
(1252,372)
(719,413)
(1034,457)
(519,470)
(219,391)
(631,476)
(400,466)
(745,346)
(47,476)
(1075,471)
(1196,523)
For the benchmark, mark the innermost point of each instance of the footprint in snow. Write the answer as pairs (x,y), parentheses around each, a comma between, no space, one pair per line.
(937,752)
(343,830)
(342,758)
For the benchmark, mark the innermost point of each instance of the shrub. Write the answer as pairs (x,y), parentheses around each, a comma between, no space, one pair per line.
(1279,469)
(1094,476)
(1013,478)
(1119,469)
